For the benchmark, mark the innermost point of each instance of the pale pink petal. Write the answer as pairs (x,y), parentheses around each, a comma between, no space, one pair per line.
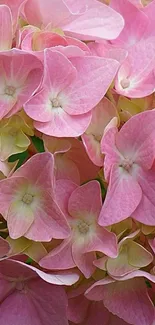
(122,185)
(97,22)
(136,75)
(140,144)
(64,125)
(107,50)
(66,169)
(145,211)
(94,76)
(6,33)
(131,33)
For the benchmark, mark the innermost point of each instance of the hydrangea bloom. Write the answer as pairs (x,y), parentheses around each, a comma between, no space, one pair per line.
(77,162)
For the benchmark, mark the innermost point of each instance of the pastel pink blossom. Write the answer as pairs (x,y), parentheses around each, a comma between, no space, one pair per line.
(126,298)
(31,296)
(15,7)
(132,32)
(86,20)
(28,201)
(20,77)
(82,210)
(132,256)
(62,108)
(136,76)
(85,312)
(104,116)
(129,156)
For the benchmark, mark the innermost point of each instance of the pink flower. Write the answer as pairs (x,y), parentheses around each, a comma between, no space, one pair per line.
(6,28)
(104,116)
(126,298)
(132,32)
(136,76)
(62,108)
(82,206)
(129,156)
(85,312)
(132,256)
(32,296)
(71,159)
(28,201)
(20,77)
(86,20)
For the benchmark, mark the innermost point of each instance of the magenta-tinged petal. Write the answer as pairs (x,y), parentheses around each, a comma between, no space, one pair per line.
(4,247)
(77,308)
(122,185)
(60,258)
(6,33)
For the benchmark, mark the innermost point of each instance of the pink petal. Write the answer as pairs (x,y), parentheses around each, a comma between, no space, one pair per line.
(145,211)
(50,219)
(84,261)
(94,76)
(63,191)
(141,144)
(122,185)
(64,125)
(137,80)
(131,33)
(97,22)
(66,169)
(60,258)
(86,201)
(131,293)
(108,51)
(4,247)
(6,33)
(37,170)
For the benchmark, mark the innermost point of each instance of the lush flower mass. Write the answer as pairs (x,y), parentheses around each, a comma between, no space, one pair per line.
(77,162)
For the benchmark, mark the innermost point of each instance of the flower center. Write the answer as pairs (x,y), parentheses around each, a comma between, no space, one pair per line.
(83,227)
(55,103)
(125,83)
(27,198)
(10,90)
(126,164)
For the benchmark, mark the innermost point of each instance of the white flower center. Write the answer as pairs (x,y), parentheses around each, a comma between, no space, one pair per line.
(27,198)
(83,227)
(125,83)
(10,90)
(55,103)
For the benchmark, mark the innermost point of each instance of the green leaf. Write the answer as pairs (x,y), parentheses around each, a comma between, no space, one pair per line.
(21,157)
(38,143)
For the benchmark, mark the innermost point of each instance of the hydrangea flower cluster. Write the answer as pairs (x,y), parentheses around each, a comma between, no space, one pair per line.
(77,162)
